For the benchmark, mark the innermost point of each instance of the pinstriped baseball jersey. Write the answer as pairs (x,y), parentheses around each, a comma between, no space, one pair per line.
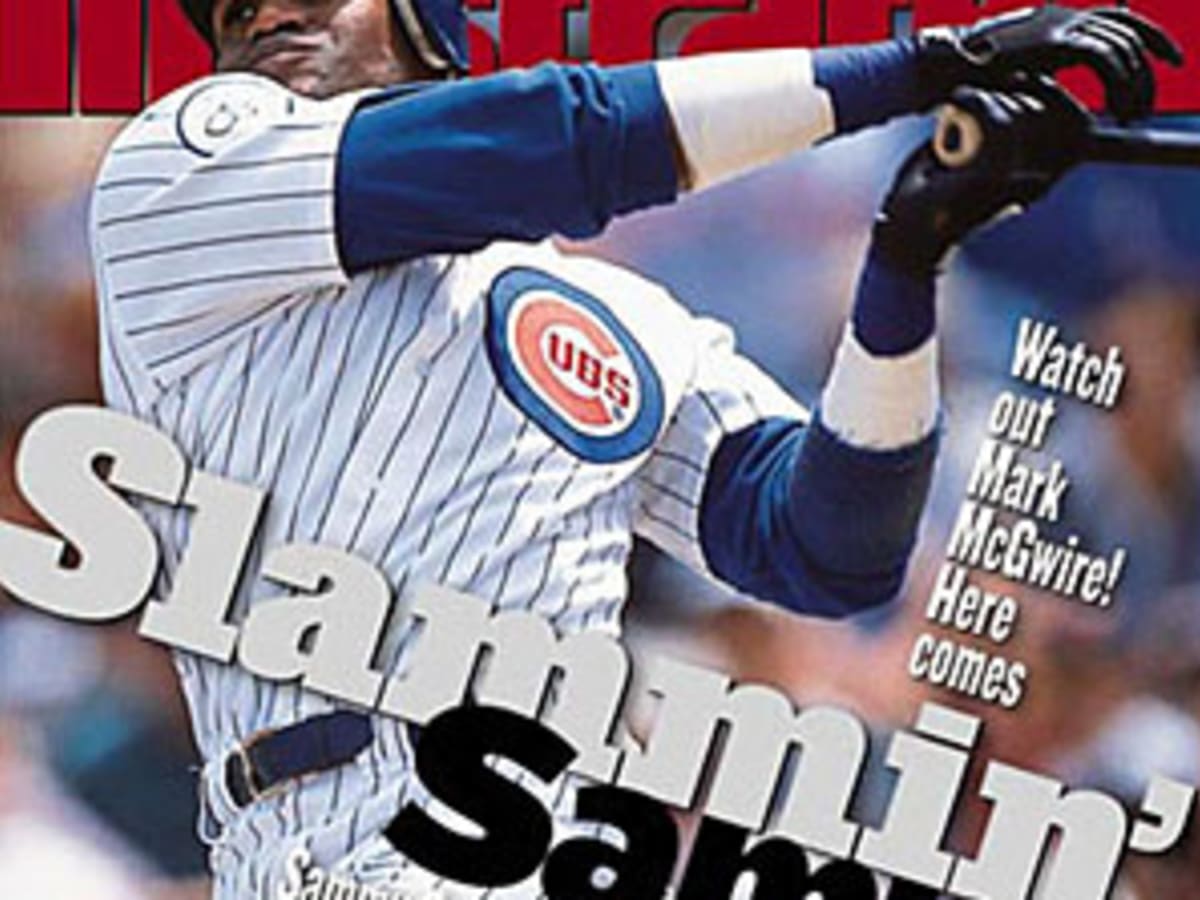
(502,422)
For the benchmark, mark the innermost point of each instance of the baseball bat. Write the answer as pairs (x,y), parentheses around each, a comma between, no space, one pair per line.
(959,138)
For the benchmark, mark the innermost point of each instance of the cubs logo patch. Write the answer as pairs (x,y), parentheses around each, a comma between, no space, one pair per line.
(566,361)
(223,111)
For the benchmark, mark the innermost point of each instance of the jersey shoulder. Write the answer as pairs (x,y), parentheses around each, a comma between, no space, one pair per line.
(203,115)
(212,212)
(210,118)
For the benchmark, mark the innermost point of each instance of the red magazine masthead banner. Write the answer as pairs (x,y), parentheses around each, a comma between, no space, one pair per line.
(113,56)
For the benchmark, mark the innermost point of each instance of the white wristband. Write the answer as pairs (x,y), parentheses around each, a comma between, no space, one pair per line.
(736,111)
(881,402)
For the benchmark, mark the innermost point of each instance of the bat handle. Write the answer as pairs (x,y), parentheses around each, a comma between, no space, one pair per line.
(957,138)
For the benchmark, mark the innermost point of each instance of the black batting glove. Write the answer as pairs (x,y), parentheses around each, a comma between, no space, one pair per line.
(1029,139)
(1116,44)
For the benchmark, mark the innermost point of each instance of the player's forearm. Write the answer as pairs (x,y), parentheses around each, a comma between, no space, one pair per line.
(564,149)
(856,511)
(800,517)
(834,508)
(734,112)
(861,480)
(739,111)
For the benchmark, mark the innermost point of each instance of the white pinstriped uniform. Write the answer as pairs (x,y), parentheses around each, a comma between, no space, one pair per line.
(371,412)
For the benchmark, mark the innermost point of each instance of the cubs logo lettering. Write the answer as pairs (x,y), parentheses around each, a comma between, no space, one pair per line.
(566,361)
(573,360)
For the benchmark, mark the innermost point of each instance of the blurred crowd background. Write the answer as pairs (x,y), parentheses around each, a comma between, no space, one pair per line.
(96,788)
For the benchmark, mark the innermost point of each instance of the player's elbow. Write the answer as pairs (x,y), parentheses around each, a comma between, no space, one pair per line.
(799,518)
(848,594)
(800,580)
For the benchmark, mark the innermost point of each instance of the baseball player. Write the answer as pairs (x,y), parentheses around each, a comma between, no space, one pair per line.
(324,271)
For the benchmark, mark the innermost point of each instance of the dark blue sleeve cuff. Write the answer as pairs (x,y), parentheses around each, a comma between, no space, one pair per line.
(648,176)
(895,311)
(872,83)
(796,516)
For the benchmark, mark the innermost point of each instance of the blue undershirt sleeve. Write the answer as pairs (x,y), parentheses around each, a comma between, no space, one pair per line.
(872,83)
(520,155)
(794,515)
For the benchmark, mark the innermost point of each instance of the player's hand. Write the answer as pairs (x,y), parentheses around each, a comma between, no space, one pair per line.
(1028,140)
(1116,44)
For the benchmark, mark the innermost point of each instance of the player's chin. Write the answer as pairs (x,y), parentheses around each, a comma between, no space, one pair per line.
(302,75)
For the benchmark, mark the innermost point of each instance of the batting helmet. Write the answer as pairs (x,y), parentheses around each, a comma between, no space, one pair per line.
(436,28)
